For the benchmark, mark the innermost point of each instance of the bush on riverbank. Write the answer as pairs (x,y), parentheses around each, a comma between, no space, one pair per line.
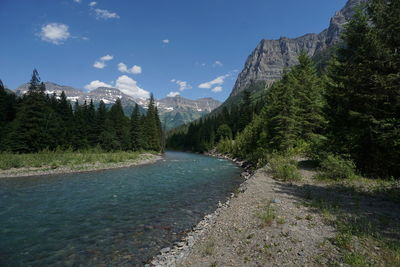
(60,158)
(284,168)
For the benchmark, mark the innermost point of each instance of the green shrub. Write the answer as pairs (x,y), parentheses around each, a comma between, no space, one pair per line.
(284,168)
(335,167)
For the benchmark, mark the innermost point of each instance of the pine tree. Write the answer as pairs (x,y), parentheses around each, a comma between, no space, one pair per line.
(29,129)
(245,111)
(120,125)
(363,95)
(136,130)
(151,127)
(280,115)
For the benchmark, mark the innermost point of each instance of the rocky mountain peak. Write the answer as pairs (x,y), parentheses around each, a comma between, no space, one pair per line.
(268,61)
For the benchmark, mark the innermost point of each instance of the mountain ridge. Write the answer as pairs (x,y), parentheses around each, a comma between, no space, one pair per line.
(174,111)
(270,58)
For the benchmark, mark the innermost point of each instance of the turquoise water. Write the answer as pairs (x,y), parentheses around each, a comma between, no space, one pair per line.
(116,217)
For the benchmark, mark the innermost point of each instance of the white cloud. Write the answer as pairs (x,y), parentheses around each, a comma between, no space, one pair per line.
(218,64)
(55,33)
(78,1)
(124,83)
(217,89)
(106,58)
(101,63)
(173,94)
(217,81)
(129,86)
(92,4)
(165,41)
(96,84)
(182,84)
(134,70)
(105,14)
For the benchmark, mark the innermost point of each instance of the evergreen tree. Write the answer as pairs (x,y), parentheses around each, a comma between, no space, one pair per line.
(151,127)
(363,95)
(29,129)
(120,125)
(136,130)
(245,111)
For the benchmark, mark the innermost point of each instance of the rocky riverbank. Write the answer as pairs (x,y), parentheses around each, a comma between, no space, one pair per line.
(172,256)
(142,159)
(268,222)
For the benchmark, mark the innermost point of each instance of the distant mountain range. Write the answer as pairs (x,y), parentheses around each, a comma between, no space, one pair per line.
(174,111)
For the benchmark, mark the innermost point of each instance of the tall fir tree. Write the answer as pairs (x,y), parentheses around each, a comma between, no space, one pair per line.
(136,132)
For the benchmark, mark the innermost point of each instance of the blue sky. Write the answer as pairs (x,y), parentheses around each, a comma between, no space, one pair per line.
(194,48)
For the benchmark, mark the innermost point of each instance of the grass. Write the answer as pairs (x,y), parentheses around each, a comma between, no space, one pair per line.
(357,237)
(267,215)
(284,168)
(68,158)
(209,249)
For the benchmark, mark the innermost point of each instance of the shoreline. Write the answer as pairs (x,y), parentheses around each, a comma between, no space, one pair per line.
(143,159)
(175,254)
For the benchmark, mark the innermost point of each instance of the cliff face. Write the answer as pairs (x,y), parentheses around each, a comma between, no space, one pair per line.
(271,57)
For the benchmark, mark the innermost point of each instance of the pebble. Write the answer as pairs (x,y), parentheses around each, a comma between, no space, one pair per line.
(276,200)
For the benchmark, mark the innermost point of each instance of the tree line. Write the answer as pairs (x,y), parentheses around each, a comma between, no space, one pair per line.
(37,121)
(350,110)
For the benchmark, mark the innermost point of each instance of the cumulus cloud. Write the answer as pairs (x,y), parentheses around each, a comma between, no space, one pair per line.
(217,89)
(106,58)
(101,63)
(182,84)
(173,94)
(92,4)
(217,81)
(105,14)
(55,33)
(165,41)
(125,84)
(218,64)
(96,84)
(129,86)
(134,70)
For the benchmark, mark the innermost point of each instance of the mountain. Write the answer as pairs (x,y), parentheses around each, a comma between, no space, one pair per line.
(271,57)
(174,111)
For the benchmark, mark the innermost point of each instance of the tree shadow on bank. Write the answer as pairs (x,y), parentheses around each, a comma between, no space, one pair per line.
(374,214)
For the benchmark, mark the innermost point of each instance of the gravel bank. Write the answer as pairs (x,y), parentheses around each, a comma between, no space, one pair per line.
(235,235)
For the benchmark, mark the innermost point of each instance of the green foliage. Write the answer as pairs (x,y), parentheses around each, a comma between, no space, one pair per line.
(352,110)
(284,168)
(224,131)
(62,157)
(363,105)
(334,167)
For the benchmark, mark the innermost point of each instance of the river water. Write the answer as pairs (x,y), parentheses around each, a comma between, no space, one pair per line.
(116,217)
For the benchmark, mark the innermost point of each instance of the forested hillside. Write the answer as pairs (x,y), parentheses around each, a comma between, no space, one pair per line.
(37,121)
(349,112)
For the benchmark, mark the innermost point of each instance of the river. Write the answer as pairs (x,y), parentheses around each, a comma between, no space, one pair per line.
(115,217)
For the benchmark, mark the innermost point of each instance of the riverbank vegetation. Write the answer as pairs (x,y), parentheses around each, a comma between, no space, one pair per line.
(66,158)
(346,117)
(38,129)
